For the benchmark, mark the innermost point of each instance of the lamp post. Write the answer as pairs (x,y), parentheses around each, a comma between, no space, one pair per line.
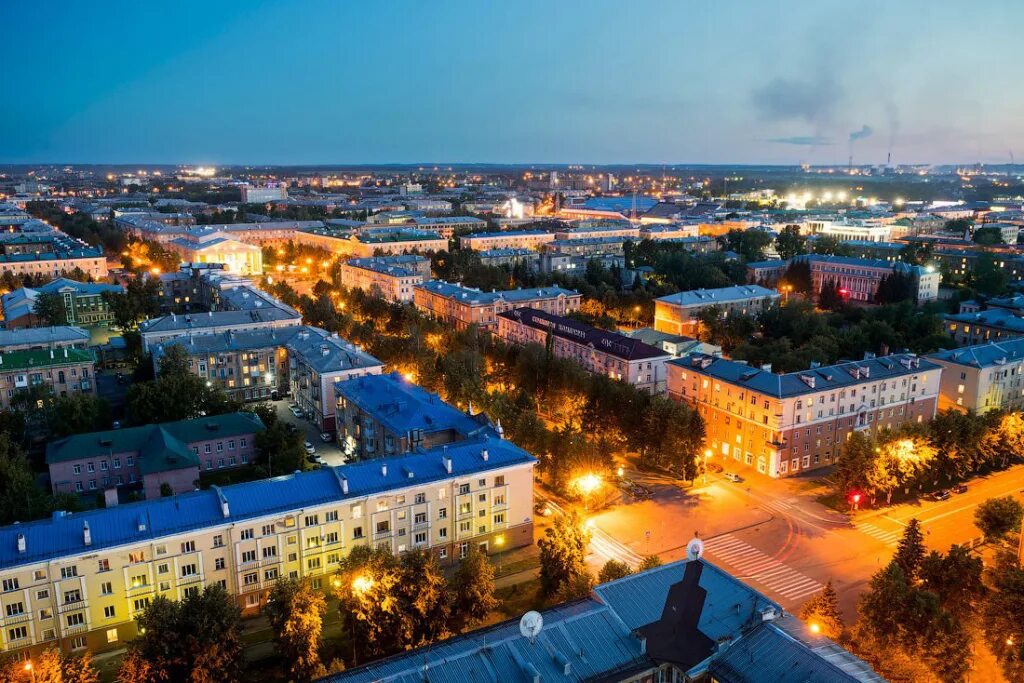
(499,542)
(31,670)
(707,454)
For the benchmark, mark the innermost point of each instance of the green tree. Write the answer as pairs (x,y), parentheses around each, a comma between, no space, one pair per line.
(790,242)
(675,436)
(134,668)
(997,517)
(295,612)
(280,451)
(139,301)
(196,639)
(369,599)
(956,578)
(563,552)
(895,287)
(613,569)
(882,606)
(989,236)
(910,551)
(49,308)
(472,590)
(823,610)
(1003,615)
(176,393)
(830,298)
(649,562)
(76,414)
(423,593)
(988,278)
(856,459)
(798,276)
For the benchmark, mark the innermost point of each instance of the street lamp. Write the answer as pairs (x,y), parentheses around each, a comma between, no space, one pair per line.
(587,484)
(31,670)
(707,454)
(361,584)
(499,541)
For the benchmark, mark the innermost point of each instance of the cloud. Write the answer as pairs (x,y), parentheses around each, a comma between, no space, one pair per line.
(865,132)
(784,99)
(806,140)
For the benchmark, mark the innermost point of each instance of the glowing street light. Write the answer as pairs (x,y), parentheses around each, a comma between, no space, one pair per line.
(815,627)
(362,584)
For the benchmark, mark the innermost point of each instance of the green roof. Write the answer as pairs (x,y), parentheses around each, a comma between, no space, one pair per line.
(44,358)
(160,447)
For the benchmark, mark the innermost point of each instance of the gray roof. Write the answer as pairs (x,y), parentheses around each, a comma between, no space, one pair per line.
(983,355)
(612,343)
(327,353)
(769,654)
(43,336)
(805,381)
(475,296)
(991,318)
(722,295)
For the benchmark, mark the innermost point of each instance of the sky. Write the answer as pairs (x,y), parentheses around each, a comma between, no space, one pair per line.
(488,81)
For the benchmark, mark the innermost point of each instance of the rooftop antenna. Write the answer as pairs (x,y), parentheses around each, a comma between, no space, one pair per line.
(695,548)
(530,625)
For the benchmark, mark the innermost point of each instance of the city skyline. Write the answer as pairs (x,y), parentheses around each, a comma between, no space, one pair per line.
(782,83)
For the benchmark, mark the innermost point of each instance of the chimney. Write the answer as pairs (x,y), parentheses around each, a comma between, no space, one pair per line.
(448,464)
(484,454)
(384,470)
(65,352)
(86,534)
(21,543)
(344,485)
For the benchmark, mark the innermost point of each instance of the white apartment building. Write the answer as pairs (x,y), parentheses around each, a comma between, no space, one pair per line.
(982,377)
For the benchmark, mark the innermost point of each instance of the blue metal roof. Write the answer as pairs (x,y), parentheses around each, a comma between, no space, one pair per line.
(991,318)
(62,534)
(768,654)
(402,406)
(983,355)
(805,381)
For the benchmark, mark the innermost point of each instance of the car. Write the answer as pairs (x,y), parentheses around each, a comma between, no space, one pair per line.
(733,477)
(311,459)
(309,447)
(326,437)
(960,488)
(714,467)
(290,428)
(542,509)
(941,494)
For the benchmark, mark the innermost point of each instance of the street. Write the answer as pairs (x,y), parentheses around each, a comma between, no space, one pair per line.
(329,451)
(774,535)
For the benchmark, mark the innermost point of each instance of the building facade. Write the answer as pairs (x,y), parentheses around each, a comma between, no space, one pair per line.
(63,371)
(783,425)
(598,351)
(78,580)
(992,325)
(390,277)
(678,313)
(150,456)
(83,303)
(858,279)
(465,306)
(982,377)
(508,239)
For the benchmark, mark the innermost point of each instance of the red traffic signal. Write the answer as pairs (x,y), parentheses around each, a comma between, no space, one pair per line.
(855,497)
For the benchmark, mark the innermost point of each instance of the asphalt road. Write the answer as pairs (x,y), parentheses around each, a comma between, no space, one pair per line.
(329,451)
(775,536)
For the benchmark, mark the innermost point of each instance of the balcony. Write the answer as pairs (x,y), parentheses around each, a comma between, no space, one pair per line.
(141,589)
(75,630)
(250,587)
(189,580)
(15,619)
(71,605)
(383,535)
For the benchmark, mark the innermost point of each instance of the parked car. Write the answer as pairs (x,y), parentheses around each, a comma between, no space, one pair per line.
(311,459)
(542,509)
(290,428)
(309,447)
(714,467)
(960,488)
(320,460)
(733,477)
(941,494)
(295,411)
(326,437)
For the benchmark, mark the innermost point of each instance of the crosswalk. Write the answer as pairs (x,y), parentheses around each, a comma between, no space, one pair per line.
(886,537)
(750,563)
(610,549)
(777,506)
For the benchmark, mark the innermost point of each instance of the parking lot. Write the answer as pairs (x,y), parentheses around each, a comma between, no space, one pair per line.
(329,451)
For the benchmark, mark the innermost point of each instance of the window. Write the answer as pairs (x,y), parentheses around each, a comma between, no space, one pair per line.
(136,557)
(15,608)
(77,469)
(111,635)
(75,619)
(188,570)
(106,588)
(103,466)
(218,563)
(420,537)
(10,585)
(251,578)
(313,563)
(442,532)
(499,480)
(218,541)
(442,513)
(117,463)
(420,498)
(78,643)
(384,526)
(140,604)
(248,556)
(162,568)
(267,530)
(312,520)
(109,612)
(443,553)
(188,547)
(464,527)
(270,574)
(246,534)
(43,594)
(68,572)
(139,580)
(17,633)
(420,518)
(130,460)
(499,518)
(253,599)
(270,551)
(331,516)
(463,489)
(357,532)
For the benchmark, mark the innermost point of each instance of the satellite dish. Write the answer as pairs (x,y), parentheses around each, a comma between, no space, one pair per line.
(694,549)
(531,624)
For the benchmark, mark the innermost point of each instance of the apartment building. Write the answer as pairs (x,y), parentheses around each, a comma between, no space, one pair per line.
(677,313)
(624,230)
(83,303)
(598,351)
(507,239)
(268,363)
(150,456)
(79,580)
(263,194)
(445,226)
(991,325)
(655,231)
(209,246)
(37,249)
(465,306)
(381,415)
(35,338)
(316,362)
(373,241)
(868,230)
(858,279)
(785,424)
(389,277)
(587,246)
(982,377)
(509,257)
(64,371)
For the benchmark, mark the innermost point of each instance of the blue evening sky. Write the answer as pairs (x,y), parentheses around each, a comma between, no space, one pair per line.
(557,81)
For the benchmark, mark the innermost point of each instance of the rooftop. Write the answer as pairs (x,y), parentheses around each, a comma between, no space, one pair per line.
(702,297)
(402,406)
(612,343)
(44,336)
(992,317)
(824,378)
(44,358)
(475,296)
(983,355)
(61,535)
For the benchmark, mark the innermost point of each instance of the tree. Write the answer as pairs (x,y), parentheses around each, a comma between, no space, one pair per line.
(675,436)
(472,589)
(955,578)
(830,298)
(856,458)
(790,242)
(176,393)
(881,607)
(423,594)
(823,610)
(140,300)
(49,308)
(197,639)
(988,278)
(910,551)
(367,588)
(295,611)
(563,552)
(988,235)
(649,562)
(1003,615)
(613,569)
(997,517)
(894,287)
(750,244)
(135,669)
(280,450)
(798,276)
